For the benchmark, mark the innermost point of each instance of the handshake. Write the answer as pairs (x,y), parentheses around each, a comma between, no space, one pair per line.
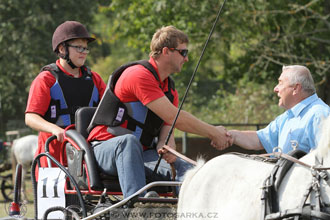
(223,139)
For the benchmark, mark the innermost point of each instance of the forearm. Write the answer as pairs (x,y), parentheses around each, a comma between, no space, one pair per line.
(162,138)
(246,139)
(168,157)
(189,123)
(37,123)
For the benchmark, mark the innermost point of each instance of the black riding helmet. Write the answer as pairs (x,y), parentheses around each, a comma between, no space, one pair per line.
(67,31)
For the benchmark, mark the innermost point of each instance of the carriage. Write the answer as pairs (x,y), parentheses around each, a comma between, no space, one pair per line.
(6,185)
(83,192)
(297,186)
(75,188)
(15,149)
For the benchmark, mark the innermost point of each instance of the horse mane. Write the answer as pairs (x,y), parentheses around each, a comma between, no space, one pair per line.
(323,147)
(191,172)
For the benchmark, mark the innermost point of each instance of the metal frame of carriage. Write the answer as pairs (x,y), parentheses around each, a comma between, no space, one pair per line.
(84,182)
(94,193)
(6,180)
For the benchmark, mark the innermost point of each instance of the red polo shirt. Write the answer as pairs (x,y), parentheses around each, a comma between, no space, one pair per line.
(135,84)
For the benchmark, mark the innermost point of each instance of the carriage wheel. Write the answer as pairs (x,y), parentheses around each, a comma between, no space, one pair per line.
(7,187)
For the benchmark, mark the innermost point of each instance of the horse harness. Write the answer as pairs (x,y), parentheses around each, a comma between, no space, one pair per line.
(269,198)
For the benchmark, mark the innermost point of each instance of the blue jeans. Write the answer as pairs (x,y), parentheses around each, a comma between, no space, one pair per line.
(124,156)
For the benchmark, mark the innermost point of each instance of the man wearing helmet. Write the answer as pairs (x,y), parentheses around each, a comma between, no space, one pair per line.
(62,87)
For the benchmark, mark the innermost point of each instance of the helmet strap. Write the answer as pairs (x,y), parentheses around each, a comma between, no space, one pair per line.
(71,64)
(67,57)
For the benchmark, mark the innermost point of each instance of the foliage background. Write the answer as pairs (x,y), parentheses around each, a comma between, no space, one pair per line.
(234,83)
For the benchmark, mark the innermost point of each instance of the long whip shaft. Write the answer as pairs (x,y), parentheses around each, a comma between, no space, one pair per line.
(189,85)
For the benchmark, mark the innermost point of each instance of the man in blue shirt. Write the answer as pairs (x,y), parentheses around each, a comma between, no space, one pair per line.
(296,128)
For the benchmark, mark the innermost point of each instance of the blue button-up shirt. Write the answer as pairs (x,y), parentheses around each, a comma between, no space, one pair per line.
(297,127)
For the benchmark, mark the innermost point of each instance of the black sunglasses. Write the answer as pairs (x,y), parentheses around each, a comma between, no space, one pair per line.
(183,52)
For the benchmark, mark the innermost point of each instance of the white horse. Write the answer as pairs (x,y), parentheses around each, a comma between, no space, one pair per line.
(23,150)
(230,187)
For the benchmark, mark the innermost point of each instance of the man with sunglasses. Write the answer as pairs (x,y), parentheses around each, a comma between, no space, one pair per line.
(134,117)
(62,87)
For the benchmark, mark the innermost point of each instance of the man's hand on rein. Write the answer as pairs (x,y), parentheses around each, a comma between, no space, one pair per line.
(167,156)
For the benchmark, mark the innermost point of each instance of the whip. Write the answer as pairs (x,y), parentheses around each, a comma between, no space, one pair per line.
(190,82)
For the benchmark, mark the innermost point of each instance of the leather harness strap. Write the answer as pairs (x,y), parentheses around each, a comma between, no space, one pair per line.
(171,150)
(183,157)
(268,209)
(304,211)
(288,157)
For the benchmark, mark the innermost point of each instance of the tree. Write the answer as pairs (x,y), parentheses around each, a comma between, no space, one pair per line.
(252,41)
(287,33)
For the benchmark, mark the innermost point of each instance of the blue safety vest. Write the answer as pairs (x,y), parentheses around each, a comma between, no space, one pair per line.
(141,121)
(68,94)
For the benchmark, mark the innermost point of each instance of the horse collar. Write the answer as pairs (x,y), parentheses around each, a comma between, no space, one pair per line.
(270,205)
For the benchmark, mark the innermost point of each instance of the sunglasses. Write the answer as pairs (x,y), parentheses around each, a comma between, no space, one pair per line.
(183,52)
(79,49)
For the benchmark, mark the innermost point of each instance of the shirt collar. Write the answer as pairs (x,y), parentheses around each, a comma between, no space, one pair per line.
(153,63)
(297,109)
(66,72)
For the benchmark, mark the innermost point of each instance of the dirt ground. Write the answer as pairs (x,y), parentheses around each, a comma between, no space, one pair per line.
(143,211)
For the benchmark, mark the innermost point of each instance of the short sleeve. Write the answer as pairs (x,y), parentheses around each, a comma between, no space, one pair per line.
(268,136)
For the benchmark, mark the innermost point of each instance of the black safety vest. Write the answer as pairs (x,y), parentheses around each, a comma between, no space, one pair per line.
(113,113)
(68,94)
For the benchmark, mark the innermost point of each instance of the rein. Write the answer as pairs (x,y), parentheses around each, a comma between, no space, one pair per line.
(269,198)
(183,157)
(295,160)
(270,204)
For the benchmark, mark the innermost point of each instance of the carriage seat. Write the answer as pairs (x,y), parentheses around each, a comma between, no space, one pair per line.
(85,156)
(81,162)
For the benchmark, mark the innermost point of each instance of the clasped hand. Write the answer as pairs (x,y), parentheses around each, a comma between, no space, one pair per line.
(223,140)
